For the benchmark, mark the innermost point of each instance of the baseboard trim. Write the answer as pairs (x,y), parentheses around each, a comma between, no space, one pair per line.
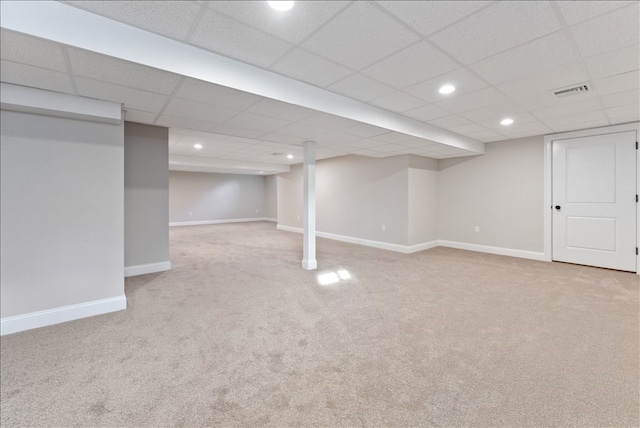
(18,323)
(405,249)
(230,220)
(146,268)
(523,254)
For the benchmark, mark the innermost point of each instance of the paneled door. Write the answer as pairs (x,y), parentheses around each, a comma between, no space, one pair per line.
(594,200)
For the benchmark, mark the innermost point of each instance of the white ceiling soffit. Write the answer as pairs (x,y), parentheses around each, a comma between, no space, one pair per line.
(192,163)
(75,27)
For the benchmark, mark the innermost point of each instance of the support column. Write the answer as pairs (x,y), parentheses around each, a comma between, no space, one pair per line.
(309,261)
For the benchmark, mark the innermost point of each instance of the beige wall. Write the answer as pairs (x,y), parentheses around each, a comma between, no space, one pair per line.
(423,198)
(201,196)
(271,197)
(500,191)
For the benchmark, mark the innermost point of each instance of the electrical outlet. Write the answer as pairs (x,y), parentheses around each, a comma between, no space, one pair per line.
(476,229)
(297,217)
(384,227)
(190,213)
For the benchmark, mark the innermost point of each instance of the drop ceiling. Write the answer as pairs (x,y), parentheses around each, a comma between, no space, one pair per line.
(505,59)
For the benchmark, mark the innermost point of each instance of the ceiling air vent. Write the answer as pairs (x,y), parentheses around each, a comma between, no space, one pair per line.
(572,90)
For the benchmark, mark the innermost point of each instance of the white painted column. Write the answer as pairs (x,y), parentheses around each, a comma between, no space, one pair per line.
(309,261)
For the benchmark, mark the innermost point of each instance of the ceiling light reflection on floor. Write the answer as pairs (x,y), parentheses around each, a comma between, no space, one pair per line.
(330,278)
(344,274)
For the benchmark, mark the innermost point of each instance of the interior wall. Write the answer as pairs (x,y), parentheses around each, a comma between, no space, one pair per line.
(62,222)
(202,197)
(271,197)
(423,200)
(501,192)
(146,194)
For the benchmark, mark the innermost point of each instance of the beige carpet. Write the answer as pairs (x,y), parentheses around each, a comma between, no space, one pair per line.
(237,334)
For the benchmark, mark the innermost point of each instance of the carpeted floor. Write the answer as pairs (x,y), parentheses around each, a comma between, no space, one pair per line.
(237,334)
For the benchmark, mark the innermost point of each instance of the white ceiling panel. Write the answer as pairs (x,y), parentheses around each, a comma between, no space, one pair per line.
(221,34)
(294,26)
(393,137)
(398,101)
(139,116)
(487,136)
(180,107)
(495,113)
(328,121)
(468,129)
(26,75)
(462,79)
(357,46)
(608,32)
(576,118)
(361,87)
(625,113)
(124,73)
(496,28)
(209,93)
(473,100)
(574,12)
(450,122)
(257,122)
(131,98)
(303,132)
(620,83)
(549,114)
(543,53)
(545,81)
(521,120)
(307,67)
(426,113)
(280,110)
(337,137)
(231,130)
(16,47)
(411,65)
(168,18)
(547,99)
(580,125)
(621,98)
(281,138)
(614,62)
(365,130)
(181,122)
(441,13)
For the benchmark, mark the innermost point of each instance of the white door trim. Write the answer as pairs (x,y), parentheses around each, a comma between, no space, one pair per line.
(548,139)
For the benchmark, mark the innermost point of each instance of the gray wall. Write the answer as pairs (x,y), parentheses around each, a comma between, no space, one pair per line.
(146,194)
(501,192)
(271,197)
(423,200)
(62,232)
(201,196)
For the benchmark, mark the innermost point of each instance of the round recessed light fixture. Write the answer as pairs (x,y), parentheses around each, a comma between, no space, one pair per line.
(281,5)
(506,121)
(289,156)
(446,89)
(197,146)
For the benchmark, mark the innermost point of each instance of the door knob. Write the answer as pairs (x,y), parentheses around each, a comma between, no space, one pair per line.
(558,207)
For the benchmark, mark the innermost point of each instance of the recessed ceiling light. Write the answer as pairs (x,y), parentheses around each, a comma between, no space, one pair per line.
(506,121)
(447,89)
(281,5)
(197,146)
(261,172)
(289,156)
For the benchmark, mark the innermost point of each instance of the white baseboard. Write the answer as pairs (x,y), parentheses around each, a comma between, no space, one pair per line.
(15,324)
(523,254)
(146,268)
(406,249)
(271,219)
(230,220)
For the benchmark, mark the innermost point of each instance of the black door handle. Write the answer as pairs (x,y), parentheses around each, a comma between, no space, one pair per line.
(558,207)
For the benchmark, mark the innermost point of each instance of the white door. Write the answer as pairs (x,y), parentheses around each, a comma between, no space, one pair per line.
(594,200)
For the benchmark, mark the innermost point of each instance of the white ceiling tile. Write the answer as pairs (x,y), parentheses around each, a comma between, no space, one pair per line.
(293,26)
(608,32)
(256,122)
(462,79)
(180,107)
(498,27)
(546,99)
(365,130)
(551,114)
(337,138)
(361,87)
(625,113)
(416,143)
(393,137)
(614,62)
(208,93)
(580,125)
(328,121)
(131,98)
(487,136)
(168,18)
(124,73)
(26,75)
(139,116)
(545,81)
(398,102)
(411,65)
(468,129)
(521,129)
(429,17)
(354,37)
(495,113)
(226,36)
(279,110)
(275,137)
(449,122)
(304,132)
(621,98)
(541,54)
(620,83)
(181,122)
(574,12)
(307,67)
(576,118)
(473,100)
(521,120)
(28,50)
(426,113)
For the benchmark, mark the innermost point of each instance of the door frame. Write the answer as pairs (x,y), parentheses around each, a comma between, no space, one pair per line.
(548,182)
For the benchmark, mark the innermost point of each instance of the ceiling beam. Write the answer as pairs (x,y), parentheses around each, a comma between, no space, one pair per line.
(75,27)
